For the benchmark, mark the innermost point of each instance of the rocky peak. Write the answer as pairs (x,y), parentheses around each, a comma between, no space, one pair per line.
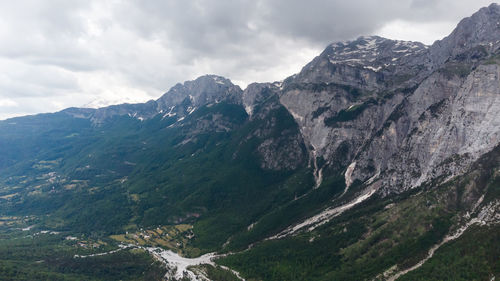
(480,31)
(256,93)
(368,63)
(438,96)
(201,91)
(371,52)
(179,101)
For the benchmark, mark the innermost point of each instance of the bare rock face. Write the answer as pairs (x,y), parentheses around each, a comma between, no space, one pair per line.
(401,111)
(345,95)
(478,33)
(280,143)
(183,99)
(445,125)
(257,93)
(369,63)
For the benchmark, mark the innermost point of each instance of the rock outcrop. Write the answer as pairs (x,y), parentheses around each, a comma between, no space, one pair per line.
(404,112)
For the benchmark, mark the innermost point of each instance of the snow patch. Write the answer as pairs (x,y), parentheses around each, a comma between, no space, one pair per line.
(169,113)
(218,80)
(191,109)
(344,61)
(376,69)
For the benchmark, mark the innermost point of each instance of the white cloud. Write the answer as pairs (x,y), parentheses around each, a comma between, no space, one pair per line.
(7,103)
(426,33)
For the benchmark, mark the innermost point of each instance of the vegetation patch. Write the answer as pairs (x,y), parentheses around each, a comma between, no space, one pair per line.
(452,69)
(349,114)
(51,257)
(473,256)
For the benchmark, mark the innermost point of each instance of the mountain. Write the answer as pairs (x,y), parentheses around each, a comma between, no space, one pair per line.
(378,160)
(179,101)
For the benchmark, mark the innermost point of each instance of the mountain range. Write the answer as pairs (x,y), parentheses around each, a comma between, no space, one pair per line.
(379,160)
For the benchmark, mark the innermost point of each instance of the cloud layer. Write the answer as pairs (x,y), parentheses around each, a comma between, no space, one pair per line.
(57,53)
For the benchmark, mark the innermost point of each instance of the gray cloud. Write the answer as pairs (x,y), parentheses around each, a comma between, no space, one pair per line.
(58,53)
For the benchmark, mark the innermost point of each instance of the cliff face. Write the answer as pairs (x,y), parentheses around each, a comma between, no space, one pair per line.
(183,99)
(399,111)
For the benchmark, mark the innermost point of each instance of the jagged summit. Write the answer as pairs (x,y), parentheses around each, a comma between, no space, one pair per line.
(479,32)
(203,90)
(352,78)
(184,98)
(482,27)
(179,101)
(368,62)
(371,52)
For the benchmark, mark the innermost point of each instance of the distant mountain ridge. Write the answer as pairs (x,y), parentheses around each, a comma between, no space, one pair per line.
(180,100)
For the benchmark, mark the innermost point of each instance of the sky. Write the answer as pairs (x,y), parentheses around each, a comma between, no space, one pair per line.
(56,54)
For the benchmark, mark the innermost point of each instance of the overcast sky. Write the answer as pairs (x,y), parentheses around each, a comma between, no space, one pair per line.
(60,53)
